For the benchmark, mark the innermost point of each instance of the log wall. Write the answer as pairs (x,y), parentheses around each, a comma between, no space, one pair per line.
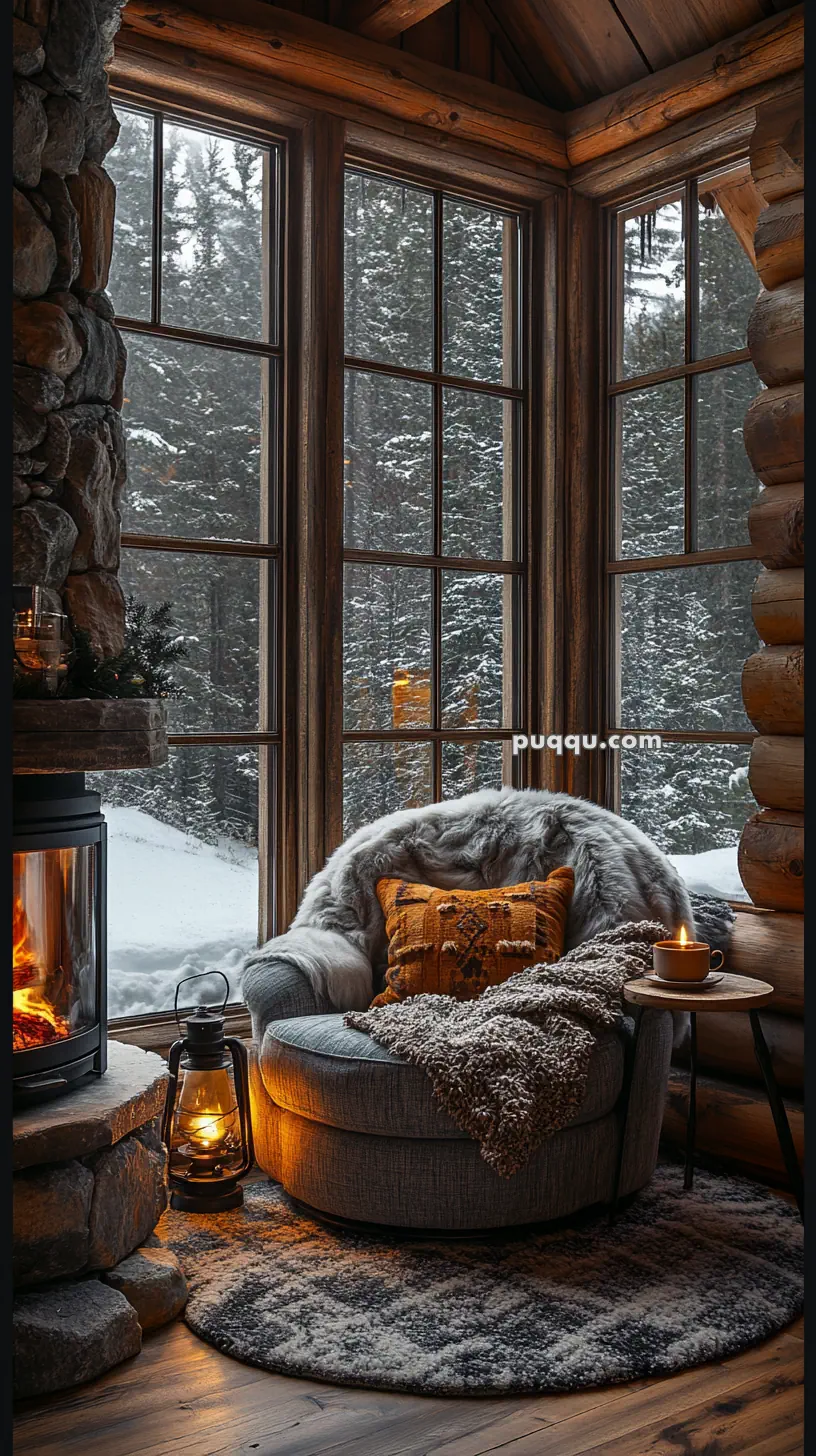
(733,1120)
(771,856)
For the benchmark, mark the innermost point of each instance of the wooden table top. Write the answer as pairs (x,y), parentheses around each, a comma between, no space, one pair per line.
(732,993)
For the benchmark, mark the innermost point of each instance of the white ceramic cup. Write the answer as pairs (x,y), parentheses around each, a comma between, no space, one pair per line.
(690,962)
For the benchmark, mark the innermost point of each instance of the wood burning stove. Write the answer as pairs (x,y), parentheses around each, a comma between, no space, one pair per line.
(59,949)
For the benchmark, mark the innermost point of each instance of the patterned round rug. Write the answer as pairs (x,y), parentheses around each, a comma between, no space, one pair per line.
(680,1279)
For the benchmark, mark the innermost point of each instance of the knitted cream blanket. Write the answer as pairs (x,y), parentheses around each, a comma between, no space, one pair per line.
(511,1067)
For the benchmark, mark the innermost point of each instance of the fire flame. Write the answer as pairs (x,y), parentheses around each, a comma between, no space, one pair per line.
(35,1022)
(683,936)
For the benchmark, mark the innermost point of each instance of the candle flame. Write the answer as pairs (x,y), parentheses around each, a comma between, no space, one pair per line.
(683,936)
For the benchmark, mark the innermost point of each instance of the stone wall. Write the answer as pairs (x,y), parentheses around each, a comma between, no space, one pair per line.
(69,358)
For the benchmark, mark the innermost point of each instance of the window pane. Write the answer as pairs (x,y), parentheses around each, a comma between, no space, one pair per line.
(650,426)
(216,610)
(692,799)
(386,647)
(477,475)
(684,636)
(381,777)
(130,164)
(215,233)
(388,461)
(728,282)
(476,636)
(480,251)
(726,484)
(470,766)
(653,323)
(195,421)
(388,271)
(182,875)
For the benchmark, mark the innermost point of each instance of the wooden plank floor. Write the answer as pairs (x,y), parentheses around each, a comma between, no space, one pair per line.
(180,1397)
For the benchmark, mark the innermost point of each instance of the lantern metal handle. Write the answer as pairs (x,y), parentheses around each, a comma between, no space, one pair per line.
(200,975)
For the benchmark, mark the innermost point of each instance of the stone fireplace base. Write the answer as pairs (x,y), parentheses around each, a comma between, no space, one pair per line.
(89,1188)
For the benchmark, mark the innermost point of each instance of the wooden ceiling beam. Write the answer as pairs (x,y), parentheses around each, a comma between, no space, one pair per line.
(288,47)
(383,19)
(770,49)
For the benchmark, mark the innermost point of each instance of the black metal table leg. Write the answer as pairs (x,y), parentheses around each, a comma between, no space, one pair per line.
(622,1109)
(691,1121)
(778,1112)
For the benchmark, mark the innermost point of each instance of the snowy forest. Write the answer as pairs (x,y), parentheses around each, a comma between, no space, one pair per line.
(197,418)
(684,634)
(389,489)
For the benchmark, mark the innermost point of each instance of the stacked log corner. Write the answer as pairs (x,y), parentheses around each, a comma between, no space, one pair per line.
(734,1123)
(771,852)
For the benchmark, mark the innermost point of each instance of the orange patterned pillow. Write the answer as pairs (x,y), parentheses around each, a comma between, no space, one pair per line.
(458,942)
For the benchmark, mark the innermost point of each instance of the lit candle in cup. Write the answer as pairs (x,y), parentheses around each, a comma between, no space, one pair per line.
(683,959)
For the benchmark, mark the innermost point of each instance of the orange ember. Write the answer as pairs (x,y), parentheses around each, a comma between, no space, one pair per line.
(34,1020)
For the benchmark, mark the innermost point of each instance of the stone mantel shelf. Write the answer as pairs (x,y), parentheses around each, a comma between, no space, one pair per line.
(82,735)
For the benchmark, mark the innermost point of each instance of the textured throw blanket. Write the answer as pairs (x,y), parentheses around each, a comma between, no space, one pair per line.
(511,1067)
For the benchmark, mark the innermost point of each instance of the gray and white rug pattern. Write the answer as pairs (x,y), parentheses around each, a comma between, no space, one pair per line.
(680,1279)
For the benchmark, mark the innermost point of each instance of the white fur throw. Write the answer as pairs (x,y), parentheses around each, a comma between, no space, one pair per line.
(483,841)
(511,1067)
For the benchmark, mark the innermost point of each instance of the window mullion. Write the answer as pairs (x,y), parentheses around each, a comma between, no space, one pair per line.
(158,218)
(690,393)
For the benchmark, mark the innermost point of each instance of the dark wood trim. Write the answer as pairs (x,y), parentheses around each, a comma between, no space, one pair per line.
(689,558)
(385,19)
(584,577)
(200,546)
(157,1030)
(442,563)
(320,500)
(433,376)
(180,740)
(679,371)
(442,162)
(761,53)
(194,336)
(286,47)
(427,735)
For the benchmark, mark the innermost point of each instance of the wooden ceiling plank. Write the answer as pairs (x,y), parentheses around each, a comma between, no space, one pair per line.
(665,34)
(383,19)
(534,51)
(590,39)
(503,41)
(306,53)
(772,48)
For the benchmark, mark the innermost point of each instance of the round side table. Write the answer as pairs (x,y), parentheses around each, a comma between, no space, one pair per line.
(732,993)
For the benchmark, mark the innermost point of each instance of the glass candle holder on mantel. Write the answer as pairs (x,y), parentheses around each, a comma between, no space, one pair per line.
(39,646)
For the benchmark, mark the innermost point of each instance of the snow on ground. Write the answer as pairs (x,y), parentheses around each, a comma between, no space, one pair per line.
(714,872)
(177,906)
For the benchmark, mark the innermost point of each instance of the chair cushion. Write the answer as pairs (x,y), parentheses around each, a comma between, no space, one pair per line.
(459,942)
(319,1068)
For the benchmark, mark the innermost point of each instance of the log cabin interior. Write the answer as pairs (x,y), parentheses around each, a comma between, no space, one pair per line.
(408,598)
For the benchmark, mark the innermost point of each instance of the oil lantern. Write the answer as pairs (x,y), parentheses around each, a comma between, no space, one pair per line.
(206,1124)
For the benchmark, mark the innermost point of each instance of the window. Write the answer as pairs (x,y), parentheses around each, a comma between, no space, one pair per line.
(681,568)
(434,548)
(196,283)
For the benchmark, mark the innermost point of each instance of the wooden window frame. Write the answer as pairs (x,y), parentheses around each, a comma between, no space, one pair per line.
(151,1029)
(515,566)
(615,213)
(316,148)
